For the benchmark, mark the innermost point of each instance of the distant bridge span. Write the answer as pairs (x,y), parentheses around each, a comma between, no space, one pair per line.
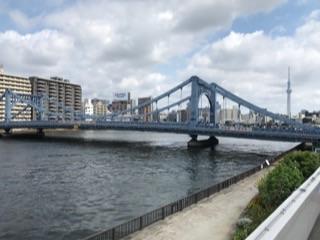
(126,120)
(202,130)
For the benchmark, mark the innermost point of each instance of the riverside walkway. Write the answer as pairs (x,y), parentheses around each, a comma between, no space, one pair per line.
(212,218)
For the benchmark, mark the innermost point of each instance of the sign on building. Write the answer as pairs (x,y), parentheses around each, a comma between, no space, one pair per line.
(120,96)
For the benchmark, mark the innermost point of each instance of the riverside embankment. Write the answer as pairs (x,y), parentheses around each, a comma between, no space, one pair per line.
(212,218)
(156,215)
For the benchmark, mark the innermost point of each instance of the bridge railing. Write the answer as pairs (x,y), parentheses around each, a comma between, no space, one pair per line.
(145,220)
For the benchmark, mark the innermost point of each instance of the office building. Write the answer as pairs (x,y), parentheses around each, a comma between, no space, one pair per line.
(121,102)
(62,99)
(182,115)
(204,115)
(88,107)
(230,114)
(17,84)
(145,111)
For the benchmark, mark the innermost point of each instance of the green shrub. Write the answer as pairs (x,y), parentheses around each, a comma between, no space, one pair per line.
(256,213)
(279,184)
(307,162)
(240,234)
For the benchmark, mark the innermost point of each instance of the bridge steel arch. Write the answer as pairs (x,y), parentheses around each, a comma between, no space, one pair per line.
(198,88)
(193,127)
(11,99)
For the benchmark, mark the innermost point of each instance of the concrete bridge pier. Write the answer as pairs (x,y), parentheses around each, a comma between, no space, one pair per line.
(316,146)
(195,143)
(40,132)
(7,131)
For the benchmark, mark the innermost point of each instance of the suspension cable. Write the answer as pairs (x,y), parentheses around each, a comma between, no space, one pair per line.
(157,113)
(168,108)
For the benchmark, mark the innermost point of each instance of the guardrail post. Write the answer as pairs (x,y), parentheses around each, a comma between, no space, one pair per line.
(113,234)
(141,223)
(163,213)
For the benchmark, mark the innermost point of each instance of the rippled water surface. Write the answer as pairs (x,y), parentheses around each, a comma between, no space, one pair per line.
(70,185)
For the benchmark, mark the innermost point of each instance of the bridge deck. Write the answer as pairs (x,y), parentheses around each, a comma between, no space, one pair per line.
(179,128)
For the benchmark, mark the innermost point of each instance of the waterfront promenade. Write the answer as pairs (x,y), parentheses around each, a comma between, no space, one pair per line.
(212,218)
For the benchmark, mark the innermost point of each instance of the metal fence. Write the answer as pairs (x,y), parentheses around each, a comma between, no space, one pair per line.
(145,220)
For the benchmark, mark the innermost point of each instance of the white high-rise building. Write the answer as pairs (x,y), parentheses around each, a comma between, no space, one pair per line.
(16,84)
(88,109)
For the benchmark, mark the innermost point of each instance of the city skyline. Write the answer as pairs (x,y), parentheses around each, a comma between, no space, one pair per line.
(237,48)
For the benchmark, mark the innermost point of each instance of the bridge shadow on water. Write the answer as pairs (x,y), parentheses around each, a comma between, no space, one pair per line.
(138,144)
(78,141)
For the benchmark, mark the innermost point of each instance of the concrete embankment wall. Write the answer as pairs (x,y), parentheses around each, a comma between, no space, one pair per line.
(295,218)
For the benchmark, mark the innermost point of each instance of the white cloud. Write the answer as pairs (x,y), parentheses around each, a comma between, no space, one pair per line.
(196,16)
(44,50)
(315,15)
(20,19)
(254,65)
(110,45)
(278,30)
(165,16)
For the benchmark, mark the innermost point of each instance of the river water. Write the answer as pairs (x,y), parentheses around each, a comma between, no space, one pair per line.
(70,185)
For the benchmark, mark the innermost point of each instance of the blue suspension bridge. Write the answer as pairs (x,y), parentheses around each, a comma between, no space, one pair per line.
(193,126)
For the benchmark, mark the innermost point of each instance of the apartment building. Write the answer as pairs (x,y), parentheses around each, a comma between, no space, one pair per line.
(62,99)
(17,84)
(100,107)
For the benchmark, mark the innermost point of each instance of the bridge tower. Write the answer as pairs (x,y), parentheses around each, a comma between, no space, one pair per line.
(198,88)
(8,106)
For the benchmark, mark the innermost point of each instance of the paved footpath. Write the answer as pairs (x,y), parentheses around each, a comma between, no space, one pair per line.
(213,218)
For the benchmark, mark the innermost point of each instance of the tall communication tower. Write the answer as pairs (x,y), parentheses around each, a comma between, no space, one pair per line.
(289,91)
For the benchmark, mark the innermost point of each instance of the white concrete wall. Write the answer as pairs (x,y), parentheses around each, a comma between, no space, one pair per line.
(295,218)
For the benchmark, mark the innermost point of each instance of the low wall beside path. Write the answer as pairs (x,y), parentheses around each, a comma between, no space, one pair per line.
(295,218)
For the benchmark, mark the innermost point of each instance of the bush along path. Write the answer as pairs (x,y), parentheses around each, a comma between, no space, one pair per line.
(274,188)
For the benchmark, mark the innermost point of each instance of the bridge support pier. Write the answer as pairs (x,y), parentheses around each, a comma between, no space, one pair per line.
(40,132)
(7,131)
(195,143)
(316,146)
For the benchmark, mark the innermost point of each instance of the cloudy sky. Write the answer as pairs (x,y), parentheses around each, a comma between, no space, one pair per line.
(149,46)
